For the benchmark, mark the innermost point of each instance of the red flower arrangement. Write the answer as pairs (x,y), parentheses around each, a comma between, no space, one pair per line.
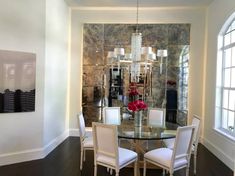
(133,92)
(137,105)
(133,89)
(133,84)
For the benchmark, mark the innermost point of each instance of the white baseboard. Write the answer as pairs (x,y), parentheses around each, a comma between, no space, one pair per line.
(34,154)
(39,153)
(74,132)
(219,153)
(22,156)
(54,143)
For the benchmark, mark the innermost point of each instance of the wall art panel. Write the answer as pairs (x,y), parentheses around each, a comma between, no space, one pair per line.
(17,81)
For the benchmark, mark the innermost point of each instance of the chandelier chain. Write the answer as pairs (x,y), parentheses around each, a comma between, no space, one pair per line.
(137,16)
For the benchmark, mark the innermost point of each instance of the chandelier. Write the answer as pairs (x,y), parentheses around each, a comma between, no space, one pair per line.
(133,59)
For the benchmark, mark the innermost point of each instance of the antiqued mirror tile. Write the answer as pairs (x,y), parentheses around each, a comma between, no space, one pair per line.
(179,34)
(93,35)
(93,56)
(101,38)
(117,34)
(92,75)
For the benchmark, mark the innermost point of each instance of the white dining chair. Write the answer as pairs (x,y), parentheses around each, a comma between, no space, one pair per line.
(169,143)
(86,139)
(178,158)
(156,117)
(112,115)
(107,153)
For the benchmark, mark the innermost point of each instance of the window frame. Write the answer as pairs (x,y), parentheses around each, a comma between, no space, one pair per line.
(220,81)
(183,100)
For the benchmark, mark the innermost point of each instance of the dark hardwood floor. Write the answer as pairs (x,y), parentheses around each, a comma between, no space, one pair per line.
(64,161)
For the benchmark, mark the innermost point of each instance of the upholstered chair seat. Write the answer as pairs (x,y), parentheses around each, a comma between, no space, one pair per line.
(178,158)
(125,156)
(88,142)
(106,150)
(163,155)
(169,143)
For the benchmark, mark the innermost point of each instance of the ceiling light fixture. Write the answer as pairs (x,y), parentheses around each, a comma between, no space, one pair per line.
(134,58)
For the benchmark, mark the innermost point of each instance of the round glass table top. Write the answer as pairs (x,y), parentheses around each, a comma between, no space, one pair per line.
(129,131)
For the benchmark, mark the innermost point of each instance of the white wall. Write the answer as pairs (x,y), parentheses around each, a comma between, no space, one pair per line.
(23,29)
(39,27)
(194,16)
(222,147)
(56,72)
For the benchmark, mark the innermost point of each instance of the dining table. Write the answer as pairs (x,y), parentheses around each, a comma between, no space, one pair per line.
(139,136)
(128,130)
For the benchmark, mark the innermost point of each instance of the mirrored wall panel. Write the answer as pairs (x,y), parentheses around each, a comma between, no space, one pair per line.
(161,83)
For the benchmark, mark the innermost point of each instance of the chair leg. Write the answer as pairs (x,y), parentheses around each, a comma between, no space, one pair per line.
(187,171)
(81,159)
(117,173)
(195,165)
(135,168)
(111,171)
(147,145)
(144,172)
(84,159)
(95,170)
(164,172)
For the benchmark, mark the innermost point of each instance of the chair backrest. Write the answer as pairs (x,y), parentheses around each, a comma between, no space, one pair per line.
(111,115)
(105,139)
(196,122)
(183,142)
(156,117)
(81,125)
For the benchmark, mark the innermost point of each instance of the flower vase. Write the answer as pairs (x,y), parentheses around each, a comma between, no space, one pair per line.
(138,118)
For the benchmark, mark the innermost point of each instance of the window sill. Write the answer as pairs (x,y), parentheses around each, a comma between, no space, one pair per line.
(223,133)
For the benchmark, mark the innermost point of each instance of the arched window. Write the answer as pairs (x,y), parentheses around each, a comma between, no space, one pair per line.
(225,80)
(183,79)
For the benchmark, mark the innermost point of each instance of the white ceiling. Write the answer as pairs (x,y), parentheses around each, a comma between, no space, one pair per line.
(143,3)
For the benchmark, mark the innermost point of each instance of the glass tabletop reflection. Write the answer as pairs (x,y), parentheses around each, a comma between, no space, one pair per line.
(129,131)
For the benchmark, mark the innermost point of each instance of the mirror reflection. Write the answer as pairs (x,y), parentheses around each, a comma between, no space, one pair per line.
(161,83)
